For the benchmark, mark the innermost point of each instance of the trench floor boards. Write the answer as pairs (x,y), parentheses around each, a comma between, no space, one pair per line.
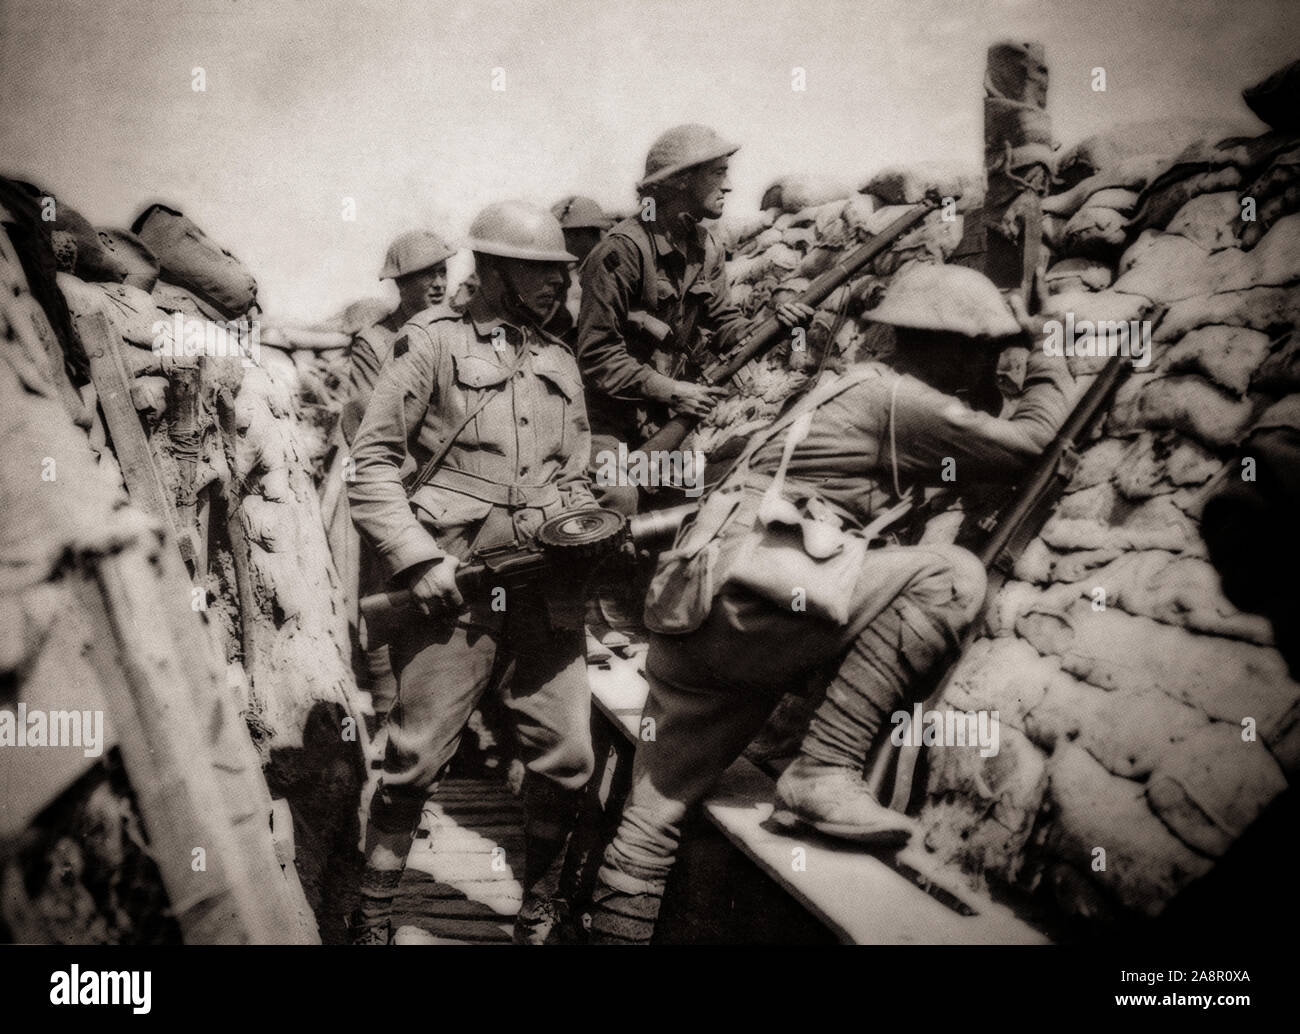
(461,884)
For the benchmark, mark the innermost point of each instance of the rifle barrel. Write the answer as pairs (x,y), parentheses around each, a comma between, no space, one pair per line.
(762,337)
(1081,418)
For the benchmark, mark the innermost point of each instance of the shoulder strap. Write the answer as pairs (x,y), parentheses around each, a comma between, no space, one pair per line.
(435,461)
(818,396)
(632,230)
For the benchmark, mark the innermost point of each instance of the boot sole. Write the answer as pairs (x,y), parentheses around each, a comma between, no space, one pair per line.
(790,822)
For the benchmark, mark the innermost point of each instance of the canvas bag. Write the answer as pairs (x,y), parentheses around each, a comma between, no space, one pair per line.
(792,556)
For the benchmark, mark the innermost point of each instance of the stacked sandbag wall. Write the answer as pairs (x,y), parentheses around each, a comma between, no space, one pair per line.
(1146,722)
(237,443)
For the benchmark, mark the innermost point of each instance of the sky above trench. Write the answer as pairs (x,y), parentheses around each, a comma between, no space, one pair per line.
(386,110)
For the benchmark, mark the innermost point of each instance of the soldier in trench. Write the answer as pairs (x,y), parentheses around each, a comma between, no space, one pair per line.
(489,408)
(769,558)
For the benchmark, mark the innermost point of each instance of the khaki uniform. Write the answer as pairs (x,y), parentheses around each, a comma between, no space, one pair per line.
(682,283)
(370,350)
(515,418)
(713,682)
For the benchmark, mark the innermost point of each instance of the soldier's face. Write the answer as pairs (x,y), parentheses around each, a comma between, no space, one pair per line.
(708,187)
(423,288)
(539,285)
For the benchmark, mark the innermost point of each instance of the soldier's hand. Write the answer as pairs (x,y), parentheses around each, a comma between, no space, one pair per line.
(794,314)
(434,586)
(694,399)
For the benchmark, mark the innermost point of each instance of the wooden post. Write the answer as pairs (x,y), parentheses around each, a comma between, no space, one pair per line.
(143,482)
(1017,162)
(183,405)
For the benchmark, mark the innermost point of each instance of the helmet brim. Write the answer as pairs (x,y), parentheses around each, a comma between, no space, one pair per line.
(721,151)
(524,254)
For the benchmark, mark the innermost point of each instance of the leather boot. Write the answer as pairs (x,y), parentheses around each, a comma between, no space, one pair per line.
(823,788)
(835,801)
(390,828)
(549,815)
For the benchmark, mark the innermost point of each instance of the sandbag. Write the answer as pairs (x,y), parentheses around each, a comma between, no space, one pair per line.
(858,215)
(1273,209)
(1170,268)
(906,185)
(1162,202)
(1212,789)
(792,193)
(170,298)
(130,252)
(1275,193)
(1185,270)
(801,238)
(1229,356)
(1096,306)
(781,257)
(1185,403)
(1132,173)
(1211,220)
(1280,372)
(1156,136)
(1264,308)
(1077,274)
(189,258)
(1122,200)
(131,310)
(733,231)
(81,252)
(1276,99)
(1146,865)
(1093,233)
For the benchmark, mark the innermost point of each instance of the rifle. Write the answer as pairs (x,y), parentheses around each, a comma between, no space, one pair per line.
(761,338)
(572,544)
(1013,529)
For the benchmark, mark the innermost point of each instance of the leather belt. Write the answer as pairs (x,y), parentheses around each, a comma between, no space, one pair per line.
(488,491)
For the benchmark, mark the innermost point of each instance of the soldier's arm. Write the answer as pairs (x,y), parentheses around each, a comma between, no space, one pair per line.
(575,477)
(930,427)
(406,387)
(610,282)
(365,366)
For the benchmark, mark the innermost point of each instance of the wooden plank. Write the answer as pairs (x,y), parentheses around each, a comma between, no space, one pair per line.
(859,897)
(619,693)
(143,482)
(160,744)
(469,933)
(58,677)
(190,749)
(855,894)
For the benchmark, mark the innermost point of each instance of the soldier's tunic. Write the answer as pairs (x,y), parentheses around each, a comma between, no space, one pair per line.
(519,451)
(713,682)
(681,281)
(371,348)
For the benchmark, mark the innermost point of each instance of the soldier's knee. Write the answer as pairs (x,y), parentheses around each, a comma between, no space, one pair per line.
(952,585)
(396,809)
(969,583)
(567,761)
